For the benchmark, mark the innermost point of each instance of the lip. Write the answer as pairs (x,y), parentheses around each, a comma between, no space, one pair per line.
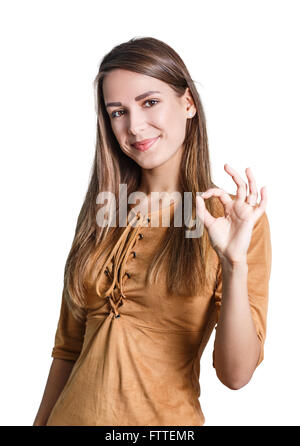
(145,144)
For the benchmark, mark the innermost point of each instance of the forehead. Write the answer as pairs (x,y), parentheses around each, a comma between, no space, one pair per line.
(120,84)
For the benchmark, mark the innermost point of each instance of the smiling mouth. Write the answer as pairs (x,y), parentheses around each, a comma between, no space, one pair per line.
(145,146)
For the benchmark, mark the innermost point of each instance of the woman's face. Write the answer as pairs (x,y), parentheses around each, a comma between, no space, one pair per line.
(158,114)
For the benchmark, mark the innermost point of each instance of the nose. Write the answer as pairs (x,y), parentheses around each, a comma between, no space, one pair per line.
(136,122)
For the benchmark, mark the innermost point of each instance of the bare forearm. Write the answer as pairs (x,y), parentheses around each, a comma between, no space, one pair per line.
(58,375)
(237,347)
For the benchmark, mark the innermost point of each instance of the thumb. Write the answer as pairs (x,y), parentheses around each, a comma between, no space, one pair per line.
(203,213)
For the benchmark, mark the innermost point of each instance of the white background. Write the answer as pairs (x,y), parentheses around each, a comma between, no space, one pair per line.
(244,57)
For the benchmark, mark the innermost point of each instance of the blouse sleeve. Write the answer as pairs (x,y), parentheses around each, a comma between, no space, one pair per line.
(259,257)
(69,334)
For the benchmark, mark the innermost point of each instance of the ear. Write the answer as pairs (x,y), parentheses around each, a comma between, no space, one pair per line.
(189,104)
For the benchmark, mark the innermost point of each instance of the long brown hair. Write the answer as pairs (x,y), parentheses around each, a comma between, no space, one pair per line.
(187,257)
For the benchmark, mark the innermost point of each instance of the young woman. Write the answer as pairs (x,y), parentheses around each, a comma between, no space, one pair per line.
(140,299)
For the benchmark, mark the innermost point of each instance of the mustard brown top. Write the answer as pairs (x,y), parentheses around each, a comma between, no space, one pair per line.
(138,350)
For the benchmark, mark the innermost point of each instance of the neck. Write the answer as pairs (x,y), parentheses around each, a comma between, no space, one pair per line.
(164,178)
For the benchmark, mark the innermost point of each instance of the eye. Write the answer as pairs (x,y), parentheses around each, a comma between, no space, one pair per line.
(113,115)
(151,100)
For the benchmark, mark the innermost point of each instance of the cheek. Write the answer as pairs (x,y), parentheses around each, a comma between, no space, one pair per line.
(172,122)
(120,135)
(116,130)
(175,133)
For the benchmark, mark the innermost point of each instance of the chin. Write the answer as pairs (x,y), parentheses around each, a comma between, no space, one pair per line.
(151,164)
(147,164)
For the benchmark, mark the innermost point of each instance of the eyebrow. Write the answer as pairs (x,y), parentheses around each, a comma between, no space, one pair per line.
(138,98)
